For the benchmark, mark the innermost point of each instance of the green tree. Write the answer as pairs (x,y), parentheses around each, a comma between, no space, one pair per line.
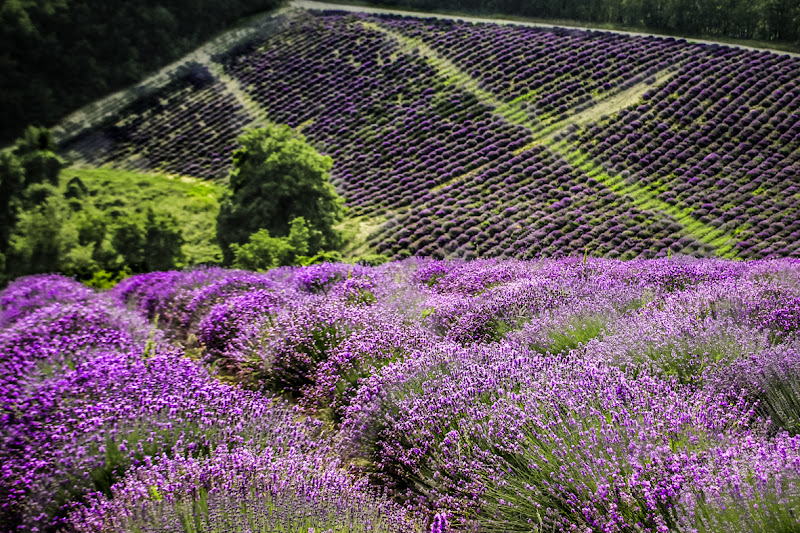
(12,180)
(153,243)
(43,239)
(262,251)
(36,153)
(163,240)
(277,176)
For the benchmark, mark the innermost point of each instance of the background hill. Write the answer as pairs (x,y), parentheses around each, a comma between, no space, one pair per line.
(463,140)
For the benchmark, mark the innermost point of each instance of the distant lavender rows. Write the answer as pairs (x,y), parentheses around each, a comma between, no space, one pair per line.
(723,139)
(188,127)
(492,395)
(720,139)
(553,71)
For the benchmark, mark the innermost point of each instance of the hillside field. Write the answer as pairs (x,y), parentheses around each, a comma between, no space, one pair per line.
(482,140)
(572,302)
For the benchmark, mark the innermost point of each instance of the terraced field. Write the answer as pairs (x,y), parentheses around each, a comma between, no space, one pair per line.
(485,140)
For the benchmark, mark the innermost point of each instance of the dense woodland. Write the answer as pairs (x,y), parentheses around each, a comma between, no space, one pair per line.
(58,55)
(765,20)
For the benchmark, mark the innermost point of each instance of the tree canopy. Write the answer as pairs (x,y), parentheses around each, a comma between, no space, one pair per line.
(276,178)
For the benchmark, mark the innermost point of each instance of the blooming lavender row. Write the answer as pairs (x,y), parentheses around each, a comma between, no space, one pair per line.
(721,138)
(501,395)
(97,407)
(189,127)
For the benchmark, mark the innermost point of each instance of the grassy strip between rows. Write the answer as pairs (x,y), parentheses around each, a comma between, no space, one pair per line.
(643,197)
(251,107)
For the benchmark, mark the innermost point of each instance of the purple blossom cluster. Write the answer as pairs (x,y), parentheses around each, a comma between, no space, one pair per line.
(721,138)
(393,128)
(530,205)
(464,396)
(105,424)
(553,71)
(188,127)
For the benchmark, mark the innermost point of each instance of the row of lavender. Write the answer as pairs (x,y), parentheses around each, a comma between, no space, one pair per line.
(107,426)
(556,395)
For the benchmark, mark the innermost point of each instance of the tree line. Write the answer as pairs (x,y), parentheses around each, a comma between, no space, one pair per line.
(58,55)
(764,20)
(279,210)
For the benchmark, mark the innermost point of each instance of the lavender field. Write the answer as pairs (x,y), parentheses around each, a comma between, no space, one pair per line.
(585,318)
(421,395)
(460,140)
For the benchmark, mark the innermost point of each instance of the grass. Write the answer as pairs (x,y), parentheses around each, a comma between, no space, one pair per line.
(195,203)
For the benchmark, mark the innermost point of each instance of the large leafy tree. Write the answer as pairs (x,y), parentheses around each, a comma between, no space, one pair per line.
(277,177)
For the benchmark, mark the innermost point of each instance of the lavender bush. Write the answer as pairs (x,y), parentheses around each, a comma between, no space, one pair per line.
(572,394)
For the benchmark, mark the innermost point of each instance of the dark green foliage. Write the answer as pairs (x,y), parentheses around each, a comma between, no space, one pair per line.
(262,252)
(277,176)
(150,244)
(57,55)
(36,153)
(28,174)
(129,239)
(76,189)
(162,242)
(765,20)
(12,178)
(41,239)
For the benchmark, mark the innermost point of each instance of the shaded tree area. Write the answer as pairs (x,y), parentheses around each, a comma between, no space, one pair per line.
(765,20)
(57,55)
(48,228)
